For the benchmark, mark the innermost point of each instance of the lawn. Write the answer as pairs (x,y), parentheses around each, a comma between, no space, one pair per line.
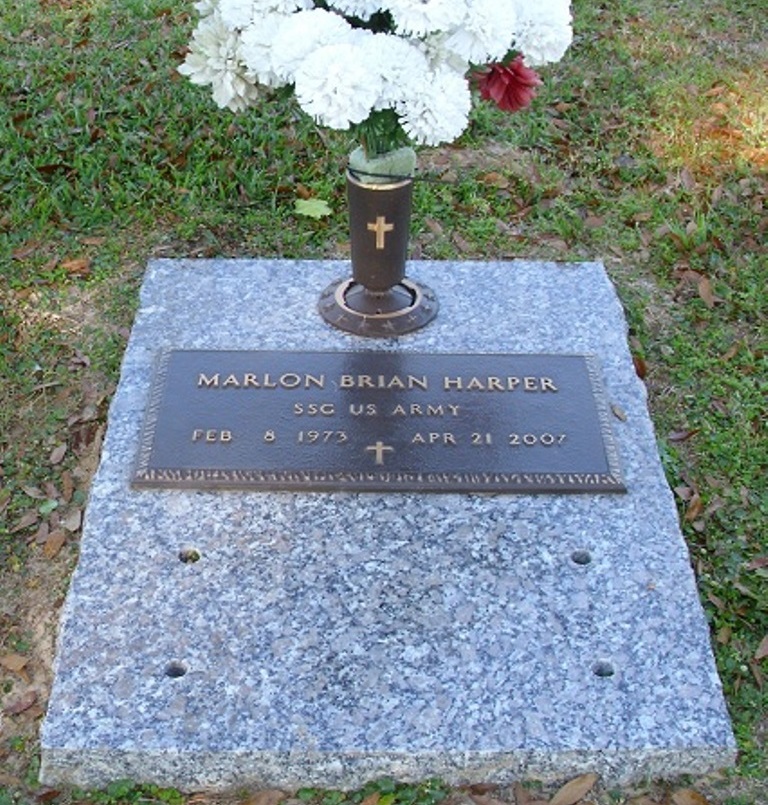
(647,148)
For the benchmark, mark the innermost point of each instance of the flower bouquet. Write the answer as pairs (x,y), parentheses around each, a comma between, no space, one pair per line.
(395,73)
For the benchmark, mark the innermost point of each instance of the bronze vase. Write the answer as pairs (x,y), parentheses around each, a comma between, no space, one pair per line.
(378,300)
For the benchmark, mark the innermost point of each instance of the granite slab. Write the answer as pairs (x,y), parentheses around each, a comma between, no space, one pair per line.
(327,639)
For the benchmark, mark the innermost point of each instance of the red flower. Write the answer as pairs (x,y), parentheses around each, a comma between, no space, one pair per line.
(510,86)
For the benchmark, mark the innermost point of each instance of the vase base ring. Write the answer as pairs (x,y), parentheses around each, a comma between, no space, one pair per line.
(403,308)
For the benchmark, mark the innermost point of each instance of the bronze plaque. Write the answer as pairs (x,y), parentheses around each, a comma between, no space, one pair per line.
(377,421)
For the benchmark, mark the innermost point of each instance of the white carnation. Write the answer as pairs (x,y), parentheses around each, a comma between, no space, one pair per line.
(214,58)
(396,62)
(301,33)
(363,9)
(336,85)
(436,109)
(236,13)
(420,17)
(206,7)
(485,33)
(257,49)
(543,32)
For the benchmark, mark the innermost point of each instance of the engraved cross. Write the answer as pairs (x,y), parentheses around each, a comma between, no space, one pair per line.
(380,448)
(381,227)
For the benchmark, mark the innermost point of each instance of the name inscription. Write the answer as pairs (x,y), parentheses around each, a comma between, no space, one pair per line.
(377,421)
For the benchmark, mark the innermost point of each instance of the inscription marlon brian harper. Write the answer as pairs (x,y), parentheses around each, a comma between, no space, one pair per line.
(296,380)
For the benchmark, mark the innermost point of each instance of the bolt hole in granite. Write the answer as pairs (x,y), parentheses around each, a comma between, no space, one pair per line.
(332,638)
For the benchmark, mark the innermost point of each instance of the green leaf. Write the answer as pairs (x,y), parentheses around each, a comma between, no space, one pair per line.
(47,506)
(312,207)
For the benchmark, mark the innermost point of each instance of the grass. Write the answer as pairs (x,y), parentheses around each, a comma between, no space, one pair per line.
(647,148)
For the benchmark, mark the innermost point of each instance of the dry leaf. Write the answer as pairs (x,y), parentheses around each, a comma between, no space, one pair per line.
(21,704)
(687,796)
(573,791)
(619,412)
(30,518)
(682,435)
(724,635)
(695,508)
(14,662)
(481,789)
(73,520)
(77,266)
(372,799)
(486,799)
(762,649)
(54,543)
(67,486)
(57,454)
(522,797)
(495,180)
(270,796)
(41,535)
(718,603)
(706,293)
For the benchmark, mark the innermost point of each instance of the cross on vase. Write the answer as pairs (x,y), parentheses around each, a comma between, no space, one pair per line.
(381,228)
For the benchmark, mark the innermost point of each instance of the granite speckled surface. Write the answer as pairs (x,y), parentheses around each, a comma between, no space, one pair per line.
(331,638)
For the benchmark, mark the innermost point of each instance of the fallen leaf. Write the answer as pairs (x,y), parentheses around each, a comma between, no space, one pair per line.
(757,674)
(21,704)
(481,789)
(30,518)
(312,207)
(76,266)
(522,796)
(372,799)
(302,191)
(762,649)
(73,520)
(694,509)
(574,790)
(641,368)
(724,635)
(54,543)
(687,796)
(14,662)
(717,602)
(57,454)
(67,486)
(731,352)
(706,293)
(682,435)
(270,796)
(642,800)
(495,180)
(26,250)
(486,799)
(460,243)
(619,412)
(41,535)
